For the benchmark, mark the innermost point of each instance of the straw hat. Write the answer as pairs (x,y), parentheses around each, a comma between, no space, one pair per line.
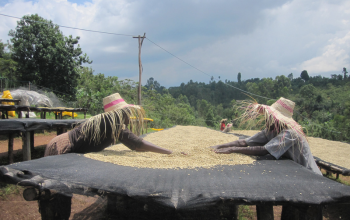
(282,109)
(115,102)
(223,120)
(117,112)
(279,114)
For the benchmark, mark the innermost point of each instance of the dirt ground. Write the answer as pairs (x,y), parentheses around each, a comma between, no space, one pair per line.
(13,206)
(39,140)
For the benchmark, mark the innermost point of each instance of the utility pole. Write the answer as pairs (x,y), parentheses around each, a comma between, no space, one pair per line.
(140,65)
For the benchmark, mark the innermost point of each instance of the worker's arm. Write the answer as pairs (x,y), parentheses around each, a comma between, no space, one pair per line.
(255,151)
(238,143)
(148,146)
(138,144)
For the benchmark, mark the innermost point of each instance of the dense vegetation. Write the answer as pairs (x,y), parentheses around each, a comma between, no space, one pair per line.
(44,56)
(322,104)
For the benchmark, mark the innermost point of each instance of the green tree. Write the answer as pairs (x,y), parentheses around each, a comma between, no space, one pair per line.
(304,75)
(2,49)
(266,87)
(345,73)
(91,90)
(45,56)
(152,84)
(210,119)
(282,86)
(239,77)
(8,67)
(253,88)
(290,76)
(203,107)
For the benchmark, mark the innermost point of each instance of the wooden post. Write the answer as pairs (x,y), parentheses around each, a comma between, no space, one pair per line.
(26,145)
(264,212)
(117,204)
(146,126)
(140,65)
(228,210)
(10,150)
(58,206)
(61,130)
(31,140)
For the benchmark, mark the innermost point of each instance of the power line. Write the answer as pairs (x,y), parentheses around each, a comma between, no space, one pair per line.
(103,32)
(81,29)
(203,71)
(177,57)
(110,33)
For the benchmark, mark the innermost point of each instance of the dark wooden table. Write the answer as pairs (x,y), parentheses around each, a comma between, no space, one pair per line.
(43,110)
(16,101)
(27,127)
(59,110)
(18,109)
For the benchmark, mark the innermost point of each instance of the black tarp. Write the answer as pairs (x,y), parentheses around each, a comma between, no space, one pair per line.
(267,180)
(22,125)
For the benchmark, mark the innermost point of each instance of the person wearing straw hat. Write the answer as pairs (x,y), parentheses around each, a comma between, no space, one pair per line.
(97,133)
(103,130)
(282,135)
(223,124)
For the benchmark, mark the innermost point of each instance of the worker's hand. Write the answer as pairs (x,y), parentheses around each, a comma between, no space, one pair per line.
(216,147)
(227,150)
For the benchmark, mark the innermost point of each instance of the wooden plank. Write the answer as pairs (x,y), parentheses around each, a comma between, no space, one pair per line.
(329,167)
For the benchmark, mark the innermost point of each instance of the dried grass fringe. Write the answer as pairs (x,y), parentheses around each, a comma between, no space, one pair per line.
(251,117)
(93,125)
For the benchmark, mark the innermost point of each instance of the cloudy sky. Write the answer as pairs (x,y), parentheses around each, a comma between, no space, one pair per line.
(194,40)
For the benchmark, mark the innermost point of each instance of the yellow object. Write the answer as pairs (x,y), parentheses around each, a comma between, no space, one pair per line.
(69,114)
(7,95)
(65,113)
(157,129)
(145,119)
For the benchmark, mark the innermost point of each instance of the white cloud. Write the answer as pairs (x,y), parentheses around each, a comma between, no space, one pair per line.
(114,49)
(221,38)
(334,57)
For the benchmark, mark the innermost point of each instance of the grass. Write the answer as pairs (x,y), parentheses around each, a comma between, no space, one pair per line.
(245,213)
(342,179)
(9,189)
(18,157)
